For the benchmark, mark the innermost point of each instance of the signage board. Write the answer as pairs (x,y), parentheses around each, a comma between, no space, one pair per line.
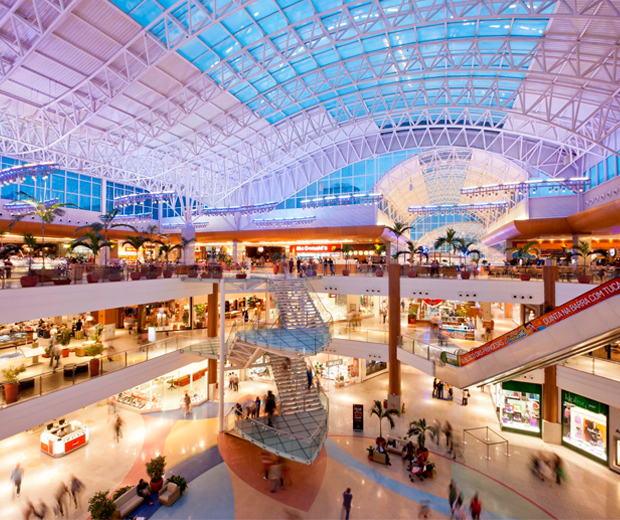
(358,416)
(314,248)
(334,363)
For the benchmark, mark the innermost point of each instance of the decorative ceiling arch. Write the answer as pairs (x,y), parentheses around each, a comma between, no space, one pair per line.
(247,101)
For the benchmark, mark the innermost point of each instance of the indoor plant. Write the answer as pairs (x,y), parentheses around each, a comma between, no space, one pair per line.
(379,249)
(346,251)
(62,275)
(94,242)
(524,252)
(11,387)
(120,492)
(179,481)
(383,413)
(451,240)
(583,250)
(30,245)
(419,429)
(94,351)
(399,229)
(155,469)
(115,273)
(101,506)
(64,338)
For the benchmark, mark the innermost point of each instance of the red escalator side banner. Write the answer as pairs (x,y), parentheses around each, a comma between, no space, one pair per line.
(571,308)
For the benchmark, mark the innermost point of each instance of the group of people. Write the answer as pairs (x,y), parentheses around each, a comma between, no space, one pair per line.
(63,496)
(548,468)
(458,509)
(416,462)
(233,382)
(252,409)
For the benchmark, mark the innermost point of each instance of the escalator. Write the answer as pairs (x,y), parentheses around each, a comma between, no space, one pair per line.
(581,325)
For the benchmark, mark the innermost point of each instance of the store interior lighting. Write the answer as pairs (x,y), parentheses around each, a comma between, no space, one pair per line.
(457,209)
(343,200)
(283,222)
(19,173)
(559,185)
(241,210)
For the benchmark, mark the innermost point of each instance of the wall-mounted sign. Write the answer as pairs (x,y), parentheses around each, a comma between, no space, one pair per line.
(314,248)
(334,363)
(358,416)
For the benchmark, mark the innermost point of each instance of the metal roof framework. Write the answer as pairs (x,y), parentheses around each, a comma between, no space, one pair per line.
(141,92)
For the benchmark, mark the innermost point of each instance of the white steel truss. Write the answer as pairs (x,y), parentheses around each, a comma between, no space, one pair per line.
(129,107)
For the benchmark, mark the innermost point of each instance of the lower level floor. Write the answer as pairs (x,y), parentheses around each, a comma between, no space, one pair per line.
(226,474)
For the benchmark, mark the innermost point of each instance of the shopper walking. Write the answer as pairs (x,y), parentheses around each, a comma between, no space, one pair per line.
(437,426)
(309,376)
(270,407)
(475,506)
(257,404)
(331,267)
(347,498)
(17,476)
(60,507)
(118,428)
(187,401)
(453,493)
(275,475)
(76,486)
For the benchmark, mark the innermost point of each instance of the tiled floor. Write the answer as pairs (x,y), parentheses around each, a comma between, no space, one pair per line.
(235,488)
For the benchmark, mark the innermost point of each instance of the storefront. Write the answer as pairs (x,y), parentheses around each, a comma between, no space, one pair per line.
(260,370)
(584,426)
(167,392)
(518,407)
(336,371)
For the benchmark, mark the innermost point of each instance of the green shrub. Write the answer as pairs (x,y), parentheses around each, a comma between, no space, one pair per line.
(120,492)
(156,467)
(179,481)
(101,506)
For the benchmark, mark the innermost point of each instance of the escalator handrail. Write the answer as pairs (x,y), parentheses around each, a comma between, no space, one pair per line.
(567,310)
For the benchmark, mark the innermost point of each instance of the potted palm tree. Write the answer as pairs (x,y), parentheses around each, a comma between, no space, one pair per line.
(412,250)
(399,229)
(11,387)
(419,428)
(103,227)
(185,242)
(524,252)
(135,241)
(453,243)
(94,242)
(155,469)
(46,211)
(466,250)
(383,413)
(165,248)
(31,246)
(583,250)
(379,249)
(94,351)
(62,275)
(346,251)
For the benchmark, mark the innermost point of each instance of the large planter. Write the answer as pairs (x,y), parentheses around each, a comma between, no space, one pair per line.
(204,275)
(345,272)
(92,278)
(61,281)
(136,276)
(114,278)
(412,274)
(151,276)
(584,278)
(156,486)
(11,390)
(65,352)
(410,320)
(465,275)
(181,269)
(28,281)
(379,273)
(241,276)
(168,273)
(93,366)
(275,268)
(449,272)
(525,277)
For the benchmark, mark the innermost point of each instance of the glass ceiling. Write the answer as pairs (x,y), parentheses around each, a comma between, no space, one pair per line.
(279,57)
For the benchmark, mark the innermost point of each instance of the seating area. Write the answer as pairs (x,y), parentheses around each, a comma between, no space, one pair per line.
(128,502)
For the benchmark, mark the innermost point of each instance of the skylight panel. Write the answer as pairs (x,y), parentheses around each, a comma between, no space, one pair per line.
(528,28)
(262,9)
(298,12)
(431,33)
(215,35)
(235,22)
(488,28)
(375,43)
(461,30)
(227,48)
(349,50)
(305,65)
(249,35)
(326,57)
(192,49)
(272,23)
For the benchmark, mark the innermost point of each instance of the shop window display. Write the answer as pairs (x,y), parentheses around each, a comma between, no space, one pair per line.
(341,370)
(519,406)
(372,367)
(584,425)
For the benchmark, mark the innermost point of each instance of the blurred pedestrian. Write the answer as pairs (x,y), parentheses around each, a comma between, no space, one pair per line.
(76,487)
(558,466)
(257,404)
(118,428)
(452,496)
(266,460)
(275,475)
(437,426)
(309,376)
(61,492)
(475,506)
(187,402)
(17,476)
(347,498)
(270,407)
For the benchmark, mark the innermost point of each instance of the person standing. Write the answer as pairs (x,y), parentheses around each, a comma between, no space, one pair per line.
(347,498)
(76,487)
(309,376)
(325,263)
(475,506)
(257,404)
(298,265)
(270,407)
(118,428)
(437,426)
(17,476)
(187,400)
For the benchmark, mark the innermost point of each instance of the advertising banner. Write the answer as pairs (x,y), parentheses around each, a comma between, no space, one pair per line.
(601,293)
(358,416)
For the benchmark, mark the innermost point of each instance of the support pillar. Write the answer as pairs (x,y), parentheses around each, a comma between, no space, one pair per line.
(234,250)
(212,329)
(222,352)
(552,428)
(189,254)
(394,335)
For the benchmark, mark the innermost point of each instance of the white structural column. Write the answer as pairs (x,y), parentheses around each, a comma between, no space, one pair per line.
(222,350)
(235,254)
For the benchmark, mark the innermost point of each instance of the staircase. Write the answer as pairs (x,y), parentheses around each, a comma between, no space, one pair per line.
(299,432)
